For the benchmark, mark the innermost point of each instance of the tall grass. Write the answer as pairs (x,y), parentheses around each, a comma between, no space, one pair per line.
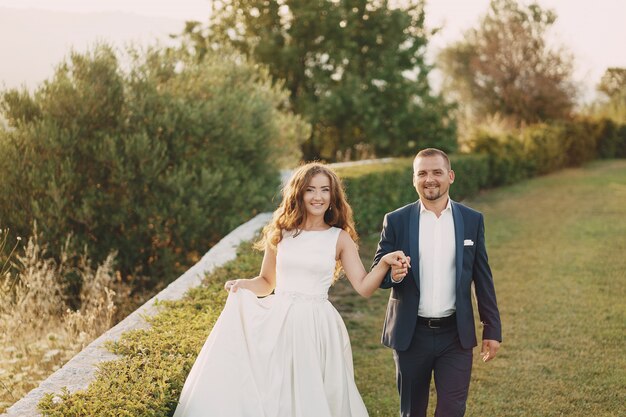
(39,329)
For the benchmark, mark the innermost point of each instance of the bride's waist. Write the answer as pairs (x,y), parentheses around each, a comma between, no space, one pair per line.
(301,296)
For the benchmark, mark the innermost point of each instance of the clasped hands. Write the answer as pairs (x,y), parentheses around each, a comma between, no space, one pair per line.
(399,264)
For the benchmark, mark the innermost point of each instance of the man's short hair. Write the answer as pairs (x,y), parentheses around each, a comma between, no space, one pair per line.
(433,152)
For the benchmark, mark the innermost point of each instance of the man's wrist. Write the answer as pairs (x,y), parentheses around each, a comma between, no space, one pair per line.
(395,281)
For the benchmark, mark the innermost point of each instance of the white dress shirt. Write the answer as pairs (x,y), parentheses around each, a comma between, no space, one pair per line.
(437,266)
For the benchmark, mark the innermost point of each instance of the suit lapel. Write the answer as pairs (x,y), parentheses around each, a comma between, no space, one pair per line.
(459,232)
(414,238)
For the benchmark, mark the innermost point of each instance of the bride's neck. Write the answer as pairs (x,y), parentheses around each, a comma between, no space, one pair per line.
(314,224)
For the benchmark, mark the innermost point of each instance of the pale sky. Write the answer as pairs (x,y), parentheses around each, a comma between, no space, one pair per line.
(594,31)
(176,9)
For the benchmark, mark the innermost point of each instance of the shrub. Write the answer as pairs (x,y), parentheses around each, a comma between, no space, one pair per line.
(375,189)
(611,137)
(157,162)
(505,157)
(543,148)
(607,133)
(620,148)
(472,175)
(581,142)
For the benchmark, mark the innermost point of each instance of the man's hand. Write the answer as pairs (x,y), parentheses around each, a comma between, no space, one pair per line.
(489,349)
(399,271)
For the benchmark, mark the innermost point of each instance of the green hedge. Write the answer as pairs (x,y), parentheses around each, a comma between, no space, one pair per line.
(611,139)
(544,148)
(471,175)
(620,148)
(373,190)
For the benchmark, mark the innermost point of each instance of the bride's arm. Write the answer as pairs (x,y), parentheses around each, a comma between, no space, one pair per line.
(263,284)
(365,283)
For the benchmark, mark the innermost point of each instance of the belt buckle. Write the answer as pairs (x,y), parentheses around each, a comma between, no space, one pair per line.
(432,323)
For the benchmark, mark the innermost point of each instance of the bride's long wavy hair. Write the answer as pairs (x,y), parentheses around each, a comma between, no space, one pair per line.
(291,213)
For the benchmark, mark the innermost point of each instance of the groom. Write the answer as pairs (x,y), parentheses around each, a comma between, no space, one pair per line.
(430,322)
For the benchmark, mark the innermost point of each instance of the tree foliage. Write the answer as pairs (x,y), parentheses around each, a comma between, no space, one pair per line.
(157,162)
(613,82)
(505,66)
(613,86)
(355,69)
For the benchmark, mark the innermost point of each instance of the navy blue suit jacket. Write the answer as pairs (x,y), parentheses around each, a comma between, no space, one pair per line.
(401,232)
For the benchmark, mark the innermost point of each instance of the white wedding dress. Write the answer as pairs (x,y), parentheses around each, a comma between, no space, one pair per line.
(285,355)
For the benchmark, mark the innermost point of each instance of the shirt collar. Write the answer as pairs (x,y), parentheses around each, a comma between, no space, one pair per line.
(448,206)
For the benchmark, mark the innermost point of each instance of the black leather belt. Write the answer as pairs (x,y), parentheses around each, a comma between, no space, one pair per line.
(437,323)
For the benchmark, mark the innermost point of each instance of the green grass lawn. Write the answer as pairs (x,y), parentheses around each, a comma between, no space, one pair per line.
(557,247)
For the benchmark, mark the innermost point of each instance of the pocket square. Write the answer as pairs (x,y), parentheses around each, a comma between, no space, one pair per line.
(468,242)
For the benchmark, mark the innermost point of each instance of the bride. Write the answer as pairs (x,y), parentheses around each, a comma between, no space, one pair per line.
(288,354)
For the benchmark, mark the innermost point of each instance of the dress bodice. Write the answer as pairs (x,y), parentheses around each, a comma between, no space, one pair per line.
(305,263)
